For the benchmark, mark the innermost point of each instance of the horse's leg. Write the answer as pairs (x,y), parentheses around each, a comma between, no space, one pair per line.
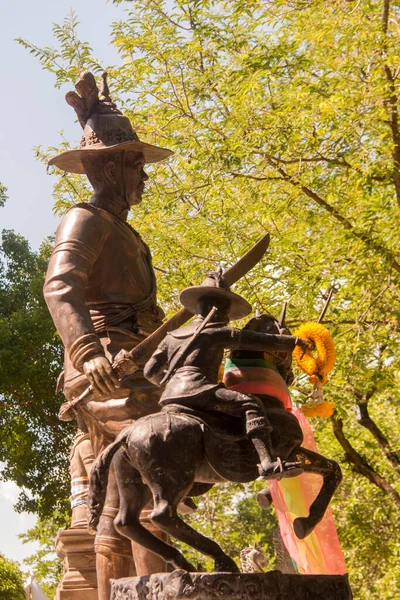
(188,506)
(134,496)
(169,521)
(165,516)
(332,476)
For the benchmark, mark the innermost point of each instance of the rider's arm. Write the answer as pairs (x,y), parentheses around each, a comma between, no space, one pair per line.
(230,337)
(156,367)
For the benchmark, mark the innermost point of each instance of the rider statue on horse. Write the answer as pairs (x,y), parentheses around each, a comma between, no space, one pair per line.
(205,433)
(187,363)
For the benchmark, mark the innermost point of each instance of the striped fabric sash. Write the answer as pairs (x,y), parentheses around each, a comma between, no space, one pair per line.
(256,376)
(79,491)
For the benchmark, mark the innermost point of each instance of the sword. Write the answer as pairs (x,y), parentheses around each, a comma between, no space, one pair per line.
(126,363)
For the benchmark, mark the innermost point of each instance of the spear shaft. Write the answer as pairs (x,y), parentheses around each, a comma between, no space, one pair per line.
(325,308)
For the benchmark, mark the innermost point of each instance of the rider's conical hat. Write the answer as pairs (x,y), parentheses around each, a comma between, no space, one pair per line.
(104,128)
(215,286)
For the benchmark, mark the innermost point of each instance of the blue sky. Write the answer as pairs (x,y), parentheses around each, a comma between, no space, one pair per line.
(32,110)
(32,113)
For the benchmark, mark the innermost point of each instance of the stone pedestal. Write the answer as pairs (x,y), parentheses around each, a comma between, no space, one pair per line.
(181,585)
(76,548)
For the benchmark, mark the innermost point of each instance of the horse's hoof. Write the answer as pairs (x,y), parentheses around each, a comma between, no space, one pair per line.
(183,565)
(264,499)
(225,565)
(302,527)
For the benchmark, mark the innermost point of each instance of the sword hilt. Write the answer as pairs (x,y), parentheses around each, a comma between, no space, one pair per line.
(123,364)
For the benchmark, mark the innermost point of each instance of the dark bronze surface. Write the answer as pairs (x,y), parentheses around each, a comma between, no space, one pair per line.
(207,434)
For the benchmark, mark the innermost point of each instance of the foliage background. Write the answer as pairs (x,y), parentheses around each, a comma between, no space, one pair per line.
(283,116)
(11,582)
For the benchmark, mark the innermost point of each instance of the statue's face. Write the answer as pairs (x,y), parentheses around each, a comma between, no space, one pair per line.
(135,177)
(205,304)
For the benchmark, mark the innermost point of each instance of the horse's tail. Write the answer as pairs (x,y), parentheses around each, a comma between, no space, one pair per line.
(99,479)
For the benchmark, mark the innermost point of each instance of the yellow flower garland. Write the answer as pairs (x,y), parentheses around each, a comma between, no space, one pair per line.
(323,409)
(317,367)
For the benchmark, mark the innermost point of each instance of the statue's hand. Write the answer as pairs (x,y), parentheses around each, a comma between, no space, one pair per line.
(101,375)
(305,344)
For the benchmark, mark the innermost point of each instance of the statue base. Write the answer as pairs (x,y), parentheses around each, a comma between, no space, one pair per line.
(274,585)
(76,548)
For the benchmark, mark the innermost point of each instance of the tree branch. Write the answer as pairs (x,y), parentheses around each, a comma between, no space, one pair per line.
(166,16)
(340,162)
(391,102)
(385,16)
(360,464)
(255,177)
(364,419)
(332,161)
(370,242)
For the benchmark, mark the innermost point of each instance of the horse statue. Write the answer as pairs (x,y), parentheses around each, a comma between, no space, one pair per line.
(185,449)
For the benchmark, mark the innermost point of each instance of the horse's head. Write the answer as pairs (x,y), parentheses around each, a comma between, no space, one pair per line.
(266,323)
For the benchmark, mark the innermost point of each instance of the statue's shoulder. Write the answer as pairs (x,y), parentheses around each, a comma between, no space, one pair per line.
(84,210)
(188,330)
(183,332)
(82,220)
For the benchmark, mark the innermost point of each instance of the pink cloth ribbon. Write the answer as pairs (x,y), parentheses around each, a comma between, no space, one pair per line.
(320,552)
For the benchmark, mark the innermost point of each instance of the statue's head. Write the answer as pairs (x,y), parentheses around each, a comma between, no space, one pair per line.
(110,151)
(206,303)
(117,173)
(266,323)
(215,292)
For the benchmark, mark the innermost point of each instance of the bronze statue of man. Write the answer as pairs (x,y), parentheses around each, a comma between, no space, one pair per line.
(101,289)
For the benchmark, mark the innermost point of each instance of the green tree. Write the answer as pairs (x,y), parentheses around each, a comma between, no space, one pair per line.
(44,564)
(34,444)
(283,116)
(11,580)
(3,194)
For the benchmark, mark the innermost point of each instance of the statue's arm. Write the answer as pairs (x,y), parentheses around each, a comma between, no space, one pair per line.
(77,245)
(230,337)
(156,367)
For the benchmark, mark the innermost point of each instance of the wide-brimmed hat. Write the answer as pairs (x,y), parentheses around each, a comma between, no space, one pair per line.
(215,286)
(105,128)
